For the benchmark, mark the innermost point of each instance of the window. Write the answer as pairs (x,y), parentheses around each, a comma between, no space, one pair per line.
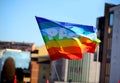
(44,77)
(109,32)
(35,51)
(111,16)
(107,69)
(95,56)
(109,43)
(108,56)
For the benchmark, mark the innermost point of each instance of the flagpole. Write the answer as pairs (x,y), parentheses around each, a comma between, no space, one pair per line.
(56,73)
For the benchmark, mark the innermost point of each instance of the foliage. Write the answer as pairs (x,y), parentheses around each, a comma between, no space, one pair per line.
(8,71)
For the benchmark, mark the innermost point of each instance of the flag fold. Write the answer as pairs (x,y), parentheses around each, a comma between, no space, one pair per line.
(67,40)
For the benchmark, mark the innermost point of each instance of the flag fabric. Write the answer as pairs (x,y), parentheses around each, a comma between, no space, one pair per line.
(15,79)
(67,40)
(119,81)
(47,81)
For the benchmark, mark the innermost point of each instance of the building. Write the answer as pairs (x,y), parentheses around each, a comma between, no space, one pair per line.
(115,52)
(17,45)
(85,70)
(79,70)
(40,65)
(106,26)
(18,51)
(82,71)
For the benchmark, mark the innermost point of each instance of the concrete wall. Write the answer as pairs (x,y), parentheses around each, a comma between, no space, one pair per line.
(94,72)
(115,55)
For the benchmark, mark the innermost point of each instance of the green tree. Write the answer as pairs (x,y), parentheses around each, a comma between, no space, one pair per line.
(8,71)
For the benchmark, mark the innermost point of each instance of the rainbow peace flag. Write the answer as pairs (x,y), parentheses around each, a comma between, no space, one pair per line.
(67,40)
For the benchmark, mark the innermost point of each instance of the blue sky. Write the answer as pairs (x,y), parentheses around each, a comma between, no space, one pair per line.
(18,23)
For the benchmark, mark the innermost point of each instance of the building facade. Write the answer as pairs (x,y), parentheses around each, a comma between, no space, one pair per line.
(115,52)
(106,33)
(78,70)
(86,70)
(40,65)
(17,45)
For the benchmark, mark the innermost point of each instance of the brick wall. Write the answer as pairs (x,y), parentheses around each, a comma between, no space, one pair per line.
(34,71)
